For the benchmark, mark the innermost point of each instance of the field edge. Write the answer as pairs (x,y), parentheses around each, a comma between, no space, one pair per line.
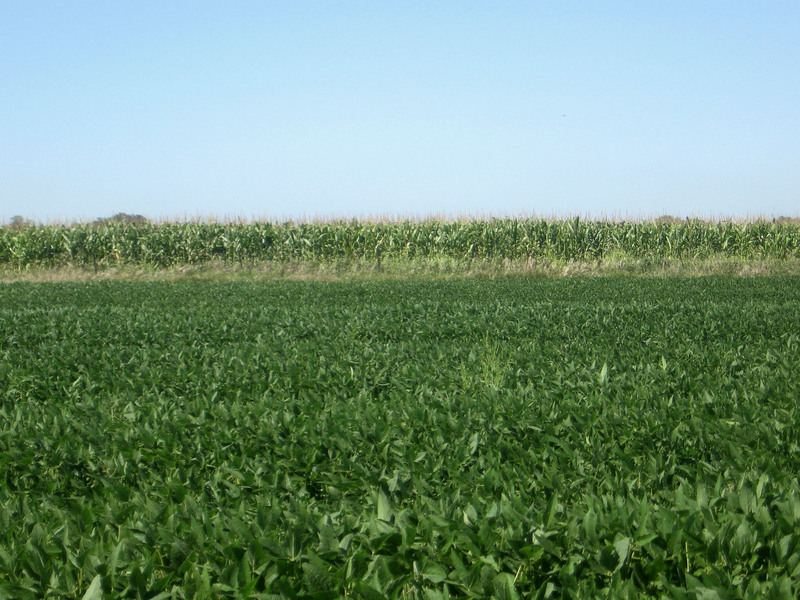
(426,269)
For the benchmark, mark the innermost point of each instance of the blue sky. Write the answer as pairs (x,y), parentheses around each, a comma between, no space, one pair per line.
(259,109)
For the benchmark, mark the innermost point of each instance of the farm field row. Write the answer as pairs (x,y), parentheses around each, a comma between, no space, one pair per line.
(526,438)
(518,240)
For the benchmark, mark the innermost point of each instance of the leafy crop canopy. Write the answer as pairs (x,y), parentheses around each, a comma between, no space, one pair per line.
(465,439)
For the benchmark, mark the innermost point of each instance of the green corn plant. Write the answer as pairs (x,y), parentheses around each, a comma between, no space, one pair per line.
(171,244)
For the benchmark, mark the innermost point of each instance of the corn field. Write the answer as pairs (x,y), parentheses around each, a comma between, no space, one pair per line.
(171,244)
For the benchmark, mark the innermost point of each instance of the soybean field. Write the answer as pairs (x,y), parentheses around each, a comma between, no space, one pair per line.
(517,438)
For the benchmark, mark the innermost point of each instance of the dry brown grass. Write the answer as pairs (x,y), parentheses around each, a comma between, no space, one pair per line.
(437,269)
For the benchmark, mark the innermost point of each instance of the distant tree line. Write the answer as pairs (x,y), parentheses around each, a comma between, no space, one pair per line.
(122,218)
(20,222)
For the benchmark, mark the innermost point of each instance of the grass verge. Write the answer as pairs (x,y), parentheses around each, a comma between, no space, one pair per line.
(427,269)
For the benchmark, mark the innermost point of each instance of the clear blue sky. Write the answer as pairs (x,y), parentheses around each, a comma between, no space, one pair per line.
(196,109)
